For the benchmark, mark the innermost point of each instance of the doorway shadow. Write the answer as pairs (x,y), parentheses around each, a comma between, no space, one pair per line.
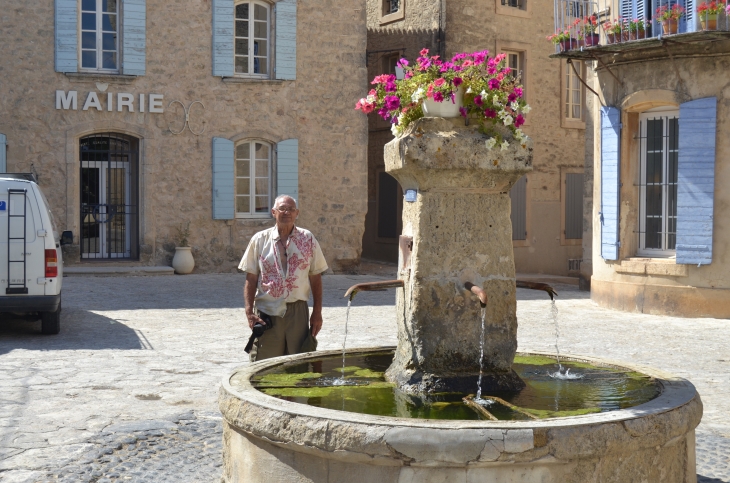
(80,330)
(707,479)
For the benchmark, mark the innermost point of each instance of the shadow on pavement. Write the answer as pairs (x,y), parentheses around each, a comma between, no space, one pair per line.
(80,330)
(705,479)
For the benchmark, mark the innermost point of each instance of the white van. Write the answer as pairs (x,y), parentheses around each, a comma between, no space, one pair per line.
(31,267)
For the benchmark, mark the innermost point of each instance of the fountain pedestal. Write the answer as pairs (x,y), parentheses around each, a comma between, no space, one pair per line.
(461,230)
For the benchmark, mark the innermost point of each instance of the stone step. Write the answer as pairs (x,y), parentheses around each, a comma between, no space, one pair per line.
(546,278)
(115,271)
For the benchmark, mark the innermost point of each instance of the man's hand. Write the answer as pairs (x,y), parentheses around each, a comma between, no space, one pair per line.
(315,322)
(253,319)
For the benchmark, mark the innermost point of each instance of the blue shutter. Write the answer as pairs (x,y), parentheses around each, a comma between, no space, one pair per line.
(689,17)
(286,40)
(287,168)
(628,7)
(66,24)
(224,195)
(610,169)
(3,151)
(134,16)
(223,20)
(696,180)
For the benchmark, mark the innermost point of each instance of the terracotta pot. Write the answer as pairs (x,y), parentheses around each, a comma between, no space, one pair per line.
(183,261)
(610,37)
(708,21)
(591,40)
(670,26)
(641,34)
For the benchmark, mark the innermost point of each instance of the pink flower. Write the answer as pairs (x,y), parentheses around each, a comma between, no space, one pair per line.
(494,83)
(384,113)
(403,62)
(408,75)
(390,87)
(491,70)
(518,91)
(467,63)
(438,97)
(439,82)
(490,113)
(424,52)
(458,81)
(392,102)
(519,120)
(462,111)
(478,100)
(364,106)
(511,98)
(381,79)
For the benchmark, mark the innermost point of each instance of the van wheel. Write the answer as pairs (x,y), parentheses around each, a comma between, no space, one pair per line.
(51,321)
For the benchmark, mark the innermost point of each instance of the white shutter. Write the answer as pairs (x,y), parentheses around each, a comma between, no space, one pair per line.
(610,183)
(286,40)
(134,24)
(223,20)
(224,195)
(66,36)
(3,152)
(287,168)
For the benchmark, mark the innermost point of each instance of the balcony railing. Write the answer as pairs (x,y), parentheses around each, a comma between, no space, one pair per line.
(582,24)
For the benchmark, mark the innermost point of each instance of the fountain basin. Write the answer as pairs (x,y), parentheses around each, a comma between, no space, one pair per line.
(267,439)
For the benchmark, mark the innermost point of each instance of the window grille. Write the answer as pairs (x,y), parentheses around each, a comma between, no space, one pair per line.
(99,35)
(574,264)
(518,196)
(253,179)
(659,142)
(251,38)
(512,3)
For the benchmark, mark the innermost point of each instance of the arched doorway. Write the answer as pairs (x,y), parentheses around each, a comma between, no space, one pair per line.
(109,196)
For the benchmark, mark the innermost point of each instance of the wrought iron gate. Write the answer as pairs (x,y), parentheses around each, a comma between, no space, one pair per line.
(109,196)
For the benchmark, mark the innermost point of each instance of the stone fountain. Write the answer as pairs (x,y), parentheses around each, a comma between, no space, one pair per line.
(456,231)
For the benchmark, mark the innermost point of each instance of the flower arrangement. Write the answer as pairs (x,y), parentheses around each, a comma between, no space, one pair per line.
(491,93)
(711,8)
(613,27)
(666,13)
(635,25)
(560,36)
(589,25)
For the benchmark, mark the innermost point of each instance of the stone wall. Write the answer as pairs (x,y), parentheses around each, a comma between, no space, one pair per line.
(175,170)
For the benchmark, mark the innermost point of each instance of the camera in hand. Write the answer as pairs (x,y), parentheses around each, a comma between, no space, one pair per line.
(258,330)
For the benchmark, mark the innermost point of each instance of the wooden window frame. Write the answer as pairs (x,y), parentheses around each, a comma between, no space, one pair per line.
(252,171)
(269,42)
(563,198)
(392,17)
(525,11)
(565,122)
(99,31)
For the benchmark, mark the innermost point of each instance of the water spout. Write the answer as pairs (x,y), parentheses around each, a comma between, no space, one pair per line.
(538,286)
(479,292)
(372,287)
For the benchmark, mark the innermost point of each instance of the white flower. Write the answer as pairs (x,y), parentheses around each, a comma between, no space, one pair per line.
(468,91)
(507,120)
(514,106)
(526,109)
(418,94)
(520,136)
(495,100)
(491,142)
(483,94)
(394,129)
(370,99)
(504,146)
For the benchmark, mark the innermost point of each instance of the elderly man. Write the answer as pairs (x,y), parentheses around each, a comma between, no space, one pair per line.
(283,264)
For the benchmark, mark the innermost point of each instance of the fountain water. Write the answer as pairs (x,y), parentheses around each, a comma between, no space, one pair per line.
(278,427)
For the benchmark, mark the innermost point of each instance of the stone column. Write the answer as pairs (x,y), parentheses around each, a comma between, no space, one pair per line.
(461,229)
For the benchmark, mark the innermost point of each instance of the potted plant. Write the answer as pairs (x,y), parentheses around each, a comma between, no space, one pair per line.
(565,39)
(590,31)
(708,12)
(634,29)
(613,31)
(669,17)
(481,87)
(183,261)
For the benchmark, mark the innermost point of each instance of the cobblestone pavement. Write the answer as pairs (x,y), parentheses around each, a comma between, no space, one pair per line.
(128,390)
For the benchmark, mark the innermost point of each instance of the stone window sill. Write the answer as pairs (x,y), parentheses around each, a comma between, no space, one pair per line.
(395,16)
(666,267)
(104,78)
(251,80)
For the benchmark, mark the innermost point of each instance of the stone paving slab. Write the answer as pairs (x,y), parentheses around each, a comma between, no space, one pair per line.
(128,390)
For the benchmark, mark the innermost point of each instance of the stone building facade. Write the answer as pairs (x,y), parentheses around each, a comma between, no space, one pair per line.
(139,117)
(549,226)
(662,161)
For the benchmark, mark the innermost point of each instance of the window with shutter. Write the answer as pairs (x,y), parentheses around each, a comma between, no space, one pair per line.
(252,39)
(100,35)
(223,36)
(253,179)
(66,35)
(696,180)
(610,168)
(286,40)
(518,214)
(134,34)
(223,179)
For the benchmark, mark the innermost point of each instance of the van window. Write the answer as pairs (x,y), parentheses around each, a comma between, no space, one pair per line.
(15,207)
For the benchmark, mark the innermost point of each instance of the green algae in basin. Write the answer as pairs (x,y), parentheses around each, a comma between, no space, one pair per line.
(315,383)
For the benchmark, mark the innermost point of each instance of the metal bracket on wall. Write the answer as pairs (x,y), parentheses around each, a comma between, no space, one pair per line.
(607,68)
(575,71)
(186,123)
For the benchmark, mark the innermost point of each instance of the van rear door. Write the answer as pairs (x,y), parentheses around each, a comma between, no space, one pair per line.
(22,251)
